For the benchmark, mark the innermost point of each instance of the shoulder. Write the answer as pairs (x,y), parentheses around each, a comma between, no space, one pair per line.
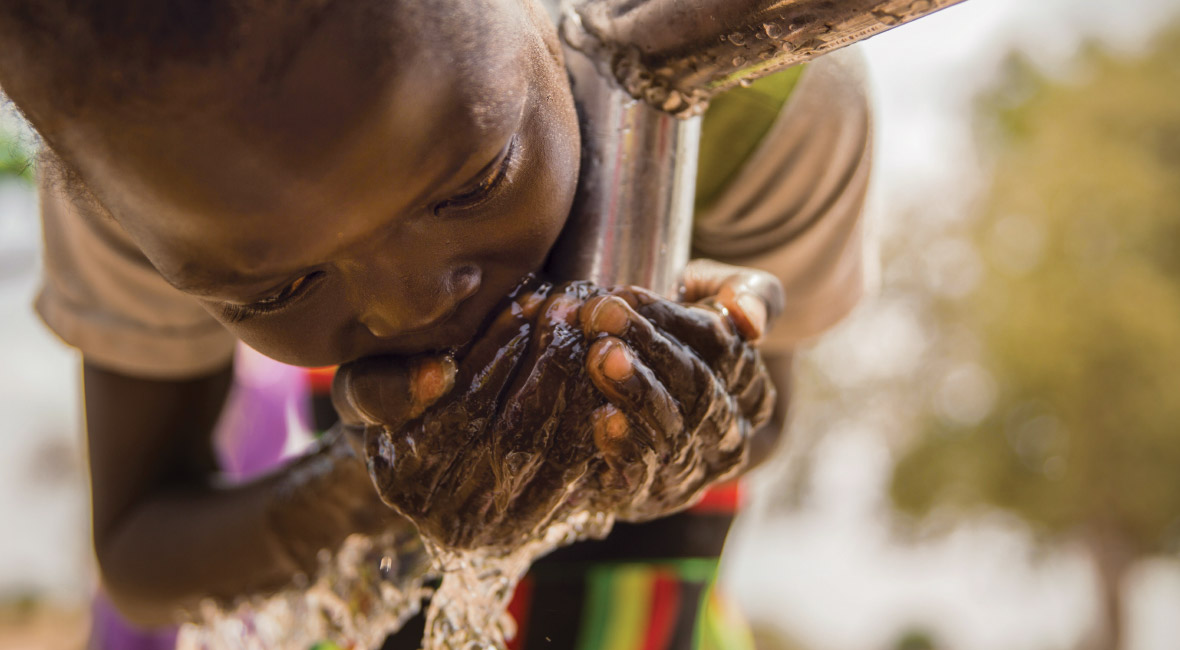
(100,294)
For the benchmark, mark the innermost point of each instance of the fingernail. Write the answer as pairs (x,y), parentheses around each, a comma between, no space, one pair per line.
(610,429)
(617,364)
(610,316)
(755,310)
(616,425)
(433,378)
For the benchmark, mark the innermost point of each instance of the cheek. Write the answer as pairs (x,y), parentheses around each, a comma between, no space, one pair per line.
(551,181)
(525,235)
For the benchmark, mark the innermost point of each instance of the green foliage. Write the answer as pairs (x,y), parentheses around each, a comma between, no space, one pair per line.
(14,159)
(1078,310)
(916,640)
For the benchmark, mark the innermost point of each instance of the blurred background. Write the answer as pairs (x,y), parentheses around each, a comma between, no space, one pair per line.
(985,455)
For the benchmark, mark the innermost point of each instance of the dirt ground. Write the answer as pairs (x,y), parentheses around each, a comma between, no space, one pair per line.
(29,626)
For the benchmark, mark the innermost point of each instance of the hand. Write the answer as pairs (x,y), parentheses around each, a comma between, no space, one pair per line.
(507,447)
(323,497)
(518,437)
(685,383)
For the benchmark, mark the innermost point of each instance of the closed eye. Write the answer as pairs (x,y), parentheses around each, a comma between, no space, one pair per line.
(487,183)
(287,295)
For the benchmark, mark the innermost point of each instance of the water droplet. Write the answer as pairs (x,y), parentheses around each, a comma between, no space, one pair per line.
(737,38)
(773,30)
(739,61)
(745,83)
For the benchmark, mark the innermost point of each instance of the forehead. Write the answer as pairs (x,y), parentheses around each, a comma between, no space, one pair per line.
(344,133)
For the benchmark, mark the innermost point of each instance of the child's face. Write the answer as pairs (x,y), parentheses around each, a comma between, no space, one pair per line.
(358,207)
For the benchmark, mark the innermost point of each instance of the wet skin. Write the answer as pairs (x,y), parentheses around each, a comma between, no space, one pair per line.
(380,196)
(487,448)
(359,206)
(356,208)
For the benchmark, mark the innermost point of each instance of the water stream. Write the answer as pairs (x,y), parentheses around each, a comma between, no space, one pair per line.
(468,611)
(368,589)
(372,586)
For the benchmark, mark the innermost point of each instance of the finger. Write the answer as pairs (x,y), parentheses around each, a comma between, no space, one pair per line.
(630,461)
(754,297)
(746,367)
(462,504)
(756,400)
(748,312)
(486,368)
(630,385)
(705,326)
(543,441)
(390,390)
(547,385)
(673,364)
(706,329)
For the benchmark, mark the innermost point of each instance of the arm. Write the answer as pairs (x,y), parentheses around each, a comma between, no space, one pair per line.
(156,371)
(784,192)
(166,535)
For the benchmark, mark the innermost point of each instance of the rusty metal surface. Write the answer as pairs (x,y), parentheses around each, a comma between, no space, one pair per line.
(676,54)
(632,217)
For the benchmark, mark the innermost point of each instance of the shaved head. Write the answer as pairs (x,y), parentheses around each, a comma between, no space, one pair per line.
(403,163)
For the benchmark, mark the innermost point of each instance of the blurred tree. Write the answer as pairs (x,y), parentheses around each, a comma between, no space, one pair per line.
(15,158)
(916,640)
(770,636)
(1077,313)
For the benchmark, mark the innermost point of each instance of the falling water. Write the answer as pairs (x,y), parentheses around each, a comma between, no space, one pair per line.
(468,611)
(372,586)
(362,593)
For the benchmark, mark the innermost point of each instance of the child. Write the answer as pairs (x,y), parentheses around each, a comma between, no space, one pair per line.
(326,182)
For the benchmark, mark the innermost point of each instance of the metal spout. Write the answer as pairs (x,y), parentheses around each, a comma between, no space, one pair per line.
(643,72)
(676,54)
(632,216)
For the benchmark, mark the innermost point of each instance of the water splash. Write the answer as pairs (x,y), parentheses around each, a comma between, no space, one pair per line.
(468,611)
(361,594)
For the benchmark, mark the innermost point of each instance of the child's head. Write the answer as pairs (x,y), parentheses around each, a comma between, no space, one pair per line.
(333,178)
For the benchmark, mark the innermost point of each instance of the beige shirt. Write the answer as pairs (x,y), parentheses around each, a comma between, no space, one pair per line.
(795,207)
(794,210)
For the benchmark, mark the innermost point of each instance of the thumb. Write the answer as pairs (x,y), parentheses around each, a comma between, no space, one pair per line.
(753,298)
(390,391)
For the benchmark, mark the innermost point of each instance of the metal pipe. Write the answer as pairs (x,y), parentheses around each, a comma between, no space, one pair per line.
(631,221)
(676,54)
(632,217)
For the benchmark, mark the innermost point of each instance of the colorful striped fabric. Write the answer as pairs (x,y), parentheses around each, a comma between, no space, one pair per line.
(656,605)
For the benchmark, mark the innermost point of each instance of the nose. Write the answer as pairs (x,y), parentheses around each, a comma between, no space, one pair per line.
(402,305)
